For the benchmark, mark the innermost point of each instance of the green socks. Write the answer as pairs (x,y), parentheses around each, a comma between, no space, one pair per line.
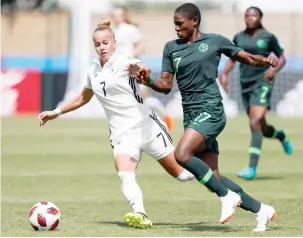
(248,203)
(205,175)
(255,148)
(271,132)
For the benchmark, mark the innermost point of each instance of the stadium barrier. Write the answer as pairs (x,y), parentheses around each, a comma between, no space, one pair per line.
(20,92)
(31,85)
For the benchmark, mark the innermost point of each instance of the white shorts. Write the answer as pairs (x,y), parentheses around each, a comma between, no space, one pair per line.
(152,138)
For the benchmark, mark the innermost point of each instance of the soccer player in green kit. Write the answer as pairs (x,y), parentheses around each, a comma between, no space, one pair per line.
(194,59)
(257,84)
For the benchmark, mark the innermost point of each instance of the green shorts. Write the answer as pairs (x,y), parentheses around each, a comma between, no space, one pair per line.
(259,95)
(209,122)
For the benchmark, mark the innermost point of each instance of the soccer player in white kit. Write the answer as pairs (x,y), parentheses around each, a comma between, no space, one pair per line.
(134,127)
(129,41)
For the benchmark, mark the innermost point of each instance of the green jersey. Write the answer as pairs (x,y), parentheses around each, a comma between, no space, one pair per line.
(196,68)
(263,43)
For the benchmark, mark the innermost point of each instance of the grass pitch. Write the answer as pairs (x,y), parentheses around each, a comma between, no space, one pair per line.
(69,162)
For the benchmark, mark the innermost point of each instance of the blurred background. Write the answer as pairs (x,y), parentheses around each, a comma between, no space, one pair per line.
(46,49)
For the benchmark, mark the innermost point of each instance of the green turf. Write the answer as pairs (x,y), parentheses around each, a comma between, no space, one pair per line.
(69,162)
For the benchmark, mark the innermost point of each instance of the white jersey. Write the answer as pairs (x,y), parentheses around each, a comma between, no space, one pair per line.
(119,94)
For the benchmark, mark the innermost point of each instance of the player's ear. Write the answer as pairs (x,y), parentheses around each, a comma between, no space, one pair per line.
(195,21)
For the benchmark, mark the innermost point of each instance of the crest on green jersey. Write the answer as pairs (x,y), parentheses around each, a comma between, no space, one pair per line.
(261,44)
(203,47)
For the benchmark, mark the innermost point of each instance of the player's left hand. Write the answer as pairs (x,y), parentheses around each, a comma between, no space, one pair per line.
(141,71)
(269,75)
(143,76)
(46,116)
(133,69)
(272,60)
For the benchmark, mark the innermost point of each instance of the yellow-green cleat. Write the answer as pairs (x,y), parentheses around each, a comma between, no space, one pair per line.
(138,220)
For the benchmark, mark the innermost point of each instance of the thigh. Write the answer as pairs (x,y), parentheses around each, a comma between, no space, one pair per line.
(125,162)
(156,140)
(191,142)
(257,113)
(245,100)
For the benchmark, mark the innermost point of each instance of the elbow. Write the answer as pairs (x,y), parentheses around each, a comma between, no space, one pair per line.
(84,101)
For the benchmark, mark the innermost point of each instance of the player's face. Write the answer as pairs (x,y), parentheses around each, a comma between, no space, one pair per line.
(119,15)
(252,19)
(184,27)
(105,44)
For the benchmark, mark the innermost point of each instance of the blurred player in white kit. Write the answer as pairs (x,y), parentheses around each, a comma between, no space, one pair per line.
(129,42)
(134,127)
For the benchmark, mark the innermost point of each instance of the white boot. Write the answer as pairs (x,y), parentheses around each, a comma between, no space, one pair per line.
(229,204)
(265,214)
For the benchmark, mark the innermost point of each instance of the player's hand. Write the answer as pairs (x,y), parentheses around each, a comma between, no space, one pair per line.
(143,76)
(133,69)
(141,71)
(223,81)
(272,60)
(269,75)
(46,116)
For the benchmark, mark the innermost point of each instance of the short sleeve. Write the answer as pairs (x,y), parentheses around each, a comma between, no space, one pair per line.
(235,40)
(88,82)
(274,46)
(227,47)
(167,63)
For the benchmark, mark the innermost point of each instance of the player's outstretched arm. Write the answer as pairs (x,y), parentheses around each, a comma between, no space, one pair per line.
(256,60)
(72,105)
(223,77)
(162,85)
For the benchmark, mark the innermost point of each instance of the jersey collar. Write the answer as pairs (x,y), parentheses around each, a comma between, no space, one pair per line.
(109,63)
(203,36)
(256,35)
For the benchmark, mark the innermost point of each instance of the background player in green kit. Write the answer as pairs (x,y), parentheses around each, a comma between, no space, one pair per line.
(256,85)
(194,59)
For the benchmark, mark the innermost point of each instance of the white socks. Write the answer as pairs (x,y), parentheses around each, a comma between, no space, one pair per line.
(133,193)
(131,190)
(185,176)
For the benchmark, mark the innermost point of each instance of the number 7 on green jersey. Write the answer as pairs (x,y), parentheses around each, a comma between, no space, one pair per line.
(176,63)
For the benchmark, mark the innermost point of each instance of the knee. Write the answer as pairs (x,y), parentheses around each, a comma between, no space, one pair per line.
(126,176)
(255,123)
(181,155)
